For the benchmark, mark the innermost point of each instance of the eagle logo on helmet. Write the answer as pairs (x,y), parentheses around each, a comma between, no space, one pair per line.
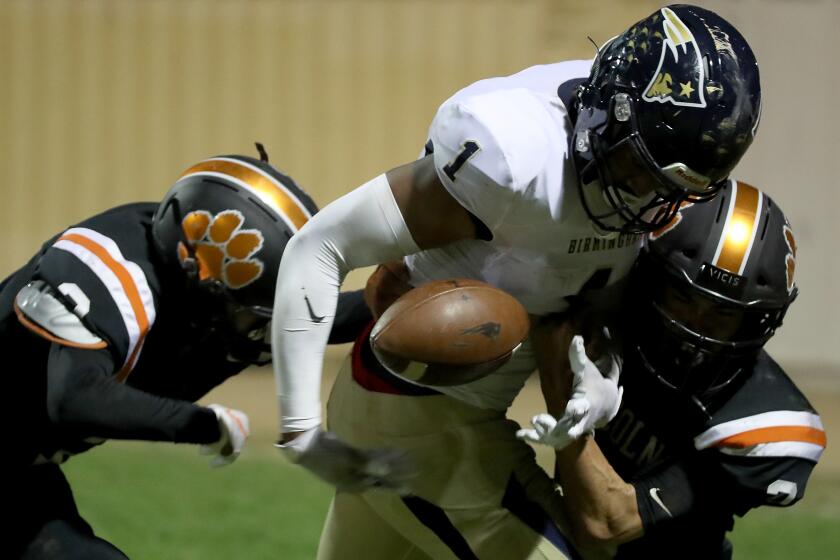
(680,77)
(790,258)
(222,248)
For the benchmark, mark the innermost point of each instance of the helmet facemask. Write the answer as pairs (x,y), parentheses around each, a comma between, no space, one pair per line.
(245,327)
(622,186)
(694,341)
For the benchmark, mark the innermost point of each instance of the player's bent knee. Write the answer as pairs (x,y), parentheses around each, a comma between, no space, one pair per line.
(61,540)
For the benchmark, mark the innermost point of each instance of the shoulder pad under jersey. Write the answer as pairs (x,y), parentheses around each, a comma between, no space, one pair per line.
(488,148)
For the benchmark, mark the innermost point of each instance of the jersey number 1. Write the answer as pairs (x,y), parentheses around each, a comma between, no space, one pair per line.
(469,150)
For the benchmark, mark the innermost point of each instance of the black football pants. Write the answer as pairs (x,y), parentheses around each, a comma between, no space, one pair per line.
(45,522)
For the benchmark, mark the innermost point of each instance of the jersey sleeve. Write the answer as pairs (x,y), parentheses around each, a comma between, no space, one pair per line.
(488,149)
(85,399)
(705,486)
(766,438)
(757,449)
(108,292)
(767,457)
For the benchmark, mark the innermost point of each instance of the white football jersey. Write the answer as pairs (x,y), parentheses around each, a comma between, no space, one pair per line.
(501,148)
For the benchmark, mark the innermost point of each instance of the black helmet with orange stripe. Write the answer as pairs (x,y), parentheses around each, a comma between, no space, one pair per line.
(717,282)
(225,224)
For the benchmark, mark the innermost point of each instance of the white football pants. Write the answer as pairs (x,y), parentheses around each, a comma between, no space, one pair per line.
(480,493)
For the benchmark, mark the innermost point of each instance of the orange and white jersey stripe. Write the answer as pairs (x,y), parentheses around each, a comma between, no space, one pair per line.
(125,281)
(781,433)
(285,204)
(739,228)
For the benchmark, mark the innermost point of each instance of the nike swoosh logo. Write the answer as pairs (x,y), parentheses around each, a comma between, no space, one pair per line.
(315,318)
(654,493)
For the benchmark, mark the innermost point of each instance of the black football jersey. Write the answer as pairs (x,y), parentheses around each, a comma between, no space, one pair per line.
(106,264)
(693,470)
(153,346)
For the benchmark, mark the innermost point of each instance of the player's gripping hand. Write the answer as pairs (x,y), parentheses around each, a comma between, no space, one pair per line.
(234,426)
(547,430)
(385,286)
(347,468)
(594,401)
(596,397)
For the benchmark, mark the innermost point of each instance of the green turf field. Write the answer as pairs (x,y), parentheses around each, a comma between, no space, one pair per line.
(162,501)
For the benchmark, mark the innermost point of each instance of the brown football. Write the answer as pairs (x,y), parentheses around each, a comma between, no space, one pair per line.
(449,332)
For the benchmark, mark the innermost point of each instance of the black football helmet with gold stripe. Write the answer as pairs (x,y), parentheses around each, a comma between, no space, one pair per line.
(669,108)
(225,224)
(716,282)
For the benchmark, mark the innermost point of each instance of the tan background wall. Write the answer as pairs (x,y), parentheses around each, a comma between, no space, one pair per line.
(104,102)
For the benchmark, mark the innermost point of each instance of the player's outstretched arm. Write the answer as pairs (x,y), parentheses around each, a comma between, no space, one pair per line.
(393,215)
(600,505)
(84,397)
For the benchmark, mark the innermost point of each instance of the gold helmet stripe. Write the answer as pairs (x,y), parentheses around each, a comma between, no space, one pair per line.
(739,229)
(268,189)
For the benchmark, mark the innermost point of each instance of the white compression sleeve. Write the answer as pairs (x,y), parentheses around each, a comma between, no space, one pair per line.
(362,228)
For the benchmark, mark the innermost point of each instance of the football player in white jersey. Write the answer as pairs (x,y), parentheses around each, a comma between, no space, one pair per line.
(540,184)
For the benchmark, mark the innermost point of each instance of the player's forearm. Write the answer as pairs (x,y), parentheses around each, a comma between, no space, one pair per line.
(601,505)
(362,228)
(550,337)
(84,398)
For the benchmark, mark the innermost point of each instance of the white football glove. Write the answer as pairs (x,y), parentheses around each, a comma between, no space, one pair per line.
(234,426)
(548,431)
(595,396)
(348,468)
(594,402)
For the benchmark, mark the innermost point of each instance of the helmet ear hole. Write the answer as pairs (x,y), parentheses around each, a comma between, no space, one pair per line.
(689,252)
(761,280)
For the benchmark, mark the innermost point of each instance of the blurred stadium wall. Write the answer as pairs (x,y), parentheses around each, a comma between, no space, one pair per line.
(106,101)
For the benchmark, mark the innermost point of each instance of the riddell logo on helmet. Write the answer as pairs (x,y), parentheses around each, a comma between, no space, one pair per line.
(222,248)
(690,178)
(686,177)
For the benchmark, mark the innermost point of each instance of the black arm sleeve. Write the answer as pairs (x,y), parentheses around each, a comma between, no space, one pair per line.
(351,317)
(83,397)
(666,494)
(726,486)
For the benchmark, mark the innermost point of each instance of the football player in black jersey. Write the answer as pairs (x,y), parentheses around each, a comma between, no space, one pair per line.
(118,323)
(710,426)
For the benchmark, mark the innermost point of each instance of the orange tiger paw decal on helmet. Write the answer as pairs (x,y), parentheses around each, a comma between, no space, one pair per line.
(222,248)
